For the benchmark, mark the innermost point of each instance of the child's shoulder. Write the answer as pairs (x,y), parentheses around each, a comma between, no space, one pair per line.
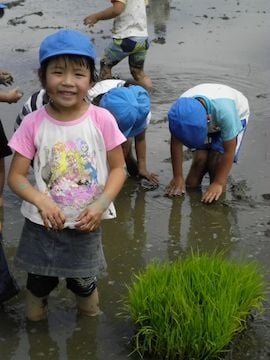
(34,118)
(99,113)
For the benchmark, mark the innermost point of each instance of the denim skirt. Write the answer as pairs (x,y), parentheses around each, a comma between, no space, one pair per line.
(65,253)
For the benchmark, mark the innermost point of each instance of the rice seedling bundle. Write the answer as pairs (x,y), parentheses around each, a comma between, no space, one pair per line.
(192,308)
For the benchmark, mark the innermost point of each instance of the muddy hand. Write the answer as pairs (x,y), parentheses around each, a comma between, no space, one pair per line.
(6,78)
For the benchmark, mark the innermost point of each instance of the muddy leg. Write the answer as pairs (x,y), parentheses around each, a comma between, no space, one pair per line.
(105,71)
(36,307)
(89,305)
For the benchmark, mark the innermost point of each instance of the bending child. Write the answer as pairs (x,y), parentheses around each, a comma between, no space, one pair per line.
(130,105)
(79,169)
(211,119)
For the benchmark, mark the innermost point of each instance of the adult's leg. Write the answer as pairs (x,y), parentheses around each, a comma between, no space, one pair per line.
(198,169)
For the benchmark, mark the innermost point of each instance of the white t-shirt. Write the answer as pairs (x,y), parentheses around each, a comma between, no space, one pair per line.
(132,22)
(103,86)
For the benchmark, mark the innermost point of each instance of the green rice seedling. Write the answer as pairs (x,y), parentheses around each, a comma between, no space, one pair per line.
(192,308)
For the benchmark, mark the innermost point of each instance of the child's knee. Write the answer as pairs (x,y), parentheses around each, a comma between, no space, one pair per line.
(36,307)
(38,289)
(86,293)
(89,305)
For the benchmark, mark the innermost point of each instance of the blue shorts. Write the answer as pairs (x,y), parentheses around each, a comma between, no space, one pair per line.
(215,142)
(135,49)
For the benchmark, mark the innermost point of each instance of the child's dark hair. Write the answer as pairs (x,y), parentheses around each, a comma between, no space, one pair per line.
(76,59)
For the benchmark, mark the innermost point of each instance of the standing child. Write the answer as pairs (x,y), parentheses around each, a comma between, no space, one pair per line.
(79,169)
(130,38)
(211,119)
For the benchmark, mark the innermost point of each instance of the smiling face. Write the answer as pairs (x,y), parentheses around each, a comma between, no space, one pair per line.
(67,81)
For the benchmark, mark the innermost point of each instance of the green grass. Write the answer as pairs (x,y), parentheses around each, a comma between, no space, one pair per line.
(192,308)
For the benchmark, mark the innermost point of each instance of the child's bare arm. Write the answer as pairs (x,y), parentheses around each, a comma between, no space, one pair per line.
(11,96)
(224,166)
(177,184)
(18,182)
(111,12)
(140,148)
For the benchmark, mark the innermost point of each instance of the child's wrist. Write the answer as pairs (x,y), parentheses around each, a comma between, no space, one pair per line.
(103,202)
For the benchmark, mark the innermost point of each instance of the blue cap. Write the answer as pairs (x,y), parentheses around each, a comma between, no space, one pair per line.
(66,42)
(2,6)
(188,122)
(130,106)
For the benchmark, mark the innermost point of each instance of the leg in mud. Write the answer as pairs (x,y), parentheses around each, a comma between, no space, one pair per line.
(88,305)
(36,307)
(105,71)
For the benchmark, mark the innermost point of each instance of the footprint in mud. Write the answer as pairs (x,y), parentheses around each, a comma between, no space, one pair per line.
(21,19)
(239,191)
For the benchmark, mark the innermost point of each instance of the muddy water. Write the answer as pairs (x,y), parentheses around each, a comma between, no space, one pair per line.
(191,42)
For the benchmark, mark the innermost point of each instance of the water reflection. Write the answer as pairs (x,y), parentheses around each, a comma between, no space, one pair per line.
(10,331)
(41,343)
(196,226)
(159,11)
(83,339)
(124,239)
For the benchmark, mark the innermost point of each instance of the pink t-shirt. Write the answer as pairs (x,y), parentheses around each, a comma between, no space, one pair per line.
(69,158)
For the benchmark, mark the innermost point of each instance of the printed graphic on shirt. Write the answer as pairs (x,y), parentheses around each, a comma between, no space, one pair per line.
(70,174)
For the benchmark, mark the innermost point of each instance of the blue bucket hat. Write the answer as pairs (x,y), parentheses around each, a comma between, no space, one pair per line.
(188,122)
(130,106)
(66,42)
(2,6)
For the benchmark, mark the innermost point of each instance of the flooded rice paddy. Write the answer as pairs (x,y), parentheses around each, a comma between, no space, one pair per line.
(191,42)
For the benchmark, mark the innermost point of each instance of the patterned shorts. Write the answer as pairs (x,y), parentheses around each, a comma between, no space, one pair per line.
(119,49)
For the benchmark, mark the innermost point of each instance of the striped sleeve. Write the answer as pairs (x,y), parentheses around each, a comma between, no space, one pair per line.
(34,102)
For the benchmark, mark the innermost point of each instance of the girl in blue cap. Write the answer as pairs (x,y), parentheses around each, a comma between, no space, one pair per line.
(79,169)
(210,119)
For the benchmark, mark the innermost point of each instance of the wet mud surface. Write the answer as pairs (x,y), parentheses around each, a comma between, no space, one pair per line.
(191,42)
